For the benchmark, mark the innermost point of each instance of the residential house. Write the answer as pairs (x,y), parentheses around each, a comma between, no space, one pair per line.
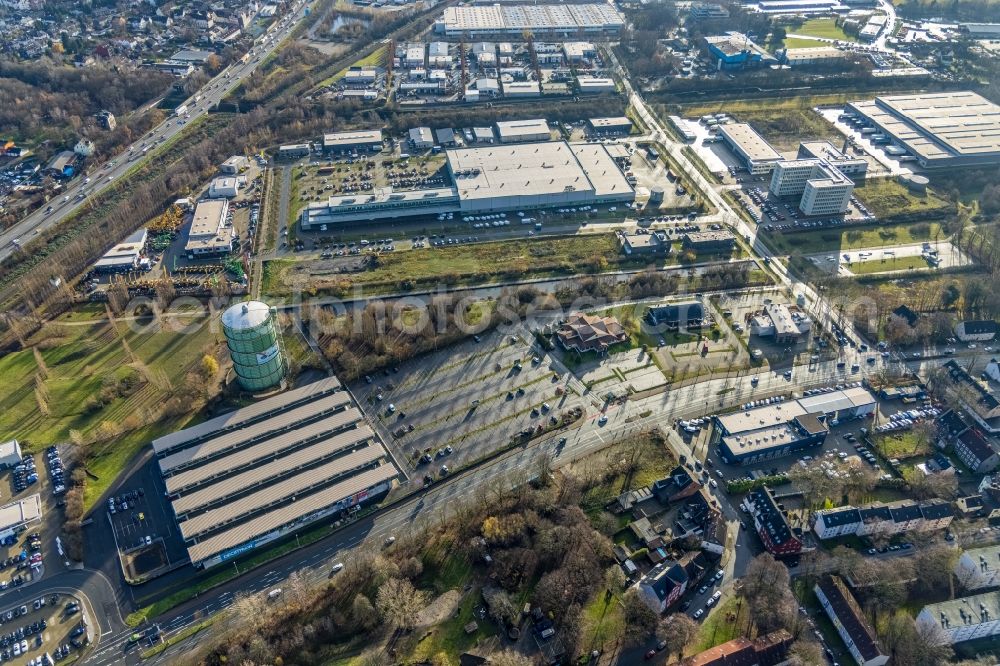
(679,485)
(964,619)
(771,522)
(981,399)
(883,519)
(766,650)
(849,621)
(979,568)
(977,451)
(976,331)
(971,506)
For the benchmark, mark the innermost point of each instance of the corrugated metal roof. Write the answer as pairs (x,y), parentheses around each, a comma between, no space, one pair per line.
(250,413)
(254,476)
(267,449)
(273,520)
(282,490)
(275,424)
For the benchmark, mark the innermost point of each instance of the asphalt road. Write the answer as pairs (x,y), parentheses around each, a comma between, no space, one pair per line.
(106,175)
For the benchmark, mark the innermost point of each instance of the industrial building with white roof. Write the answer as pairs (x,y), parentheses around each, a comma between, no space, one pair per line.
(514,20)
(942,130)
(776,430)
(493,178)
(262,472)
(757,154)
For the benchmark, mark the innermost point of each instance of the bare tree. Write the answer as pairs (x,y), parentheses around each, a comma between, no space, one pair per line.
(398,603)
(805,652)
(678,630)
(510,658)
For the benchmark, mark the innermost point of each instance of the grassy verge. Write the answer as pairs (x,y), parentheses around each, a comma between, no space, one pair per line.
(822,27)
(833,240)
(725,623)
(885,265)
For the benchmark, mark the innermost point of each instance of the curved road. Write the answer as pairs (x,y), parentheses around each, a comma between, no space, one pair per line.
(80,189)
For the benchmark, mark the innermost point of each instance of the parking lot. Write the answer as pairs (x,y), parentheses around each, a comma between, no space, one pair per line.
(432,407)
(43,631)
(143,528)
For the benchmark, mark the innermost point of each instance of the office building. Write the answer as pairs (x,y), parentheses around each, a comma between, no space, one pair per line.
(942,130)
(610,126)
(849,621)
(707,10)
(539,20)
(964,619)
(653,242)
(249,477)
(353,142)
(826,151)
(824,189)
(224,187)
(710,242)
(421,138)
(234,165)
(294,150)
(512,131)
(211,233)
(757,154)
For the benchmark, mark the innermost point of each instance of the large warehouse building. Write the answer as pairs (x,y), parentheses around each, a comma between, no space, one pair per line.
(490,179)
(260,473)
(942,130)
(773,431)
(540,20)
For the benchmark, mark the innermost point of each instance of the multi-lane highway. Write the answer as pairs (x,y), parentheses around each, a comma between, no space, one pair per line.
(101,176)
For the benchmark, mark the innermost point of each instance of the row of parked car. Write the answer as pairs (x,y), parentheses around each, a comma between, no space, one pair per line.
(56,471)
(25,474)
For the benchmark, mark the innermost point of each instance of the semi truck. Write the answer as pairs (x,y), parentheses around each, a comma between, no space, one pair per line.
(181,110)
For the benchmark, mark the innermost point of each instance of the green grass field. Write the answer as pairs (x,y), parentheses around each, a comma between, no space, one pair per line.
(886,197)
(880,266)
(810,242)
(80,374)
(724,624)
(902,445)
(822,27)
(460,264)
(801,43)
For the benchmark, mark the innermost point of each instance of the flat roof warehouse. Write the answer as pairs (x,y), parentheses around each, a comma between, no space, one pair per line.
(262,472)
(941,129)
(497,177)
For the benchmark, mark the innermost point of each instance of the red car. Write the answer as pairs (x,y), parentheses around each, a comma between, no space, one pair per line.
(650,654)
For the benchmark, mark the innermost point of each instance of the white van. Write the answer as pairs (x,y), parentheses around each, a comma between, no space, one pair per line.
(274,594)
